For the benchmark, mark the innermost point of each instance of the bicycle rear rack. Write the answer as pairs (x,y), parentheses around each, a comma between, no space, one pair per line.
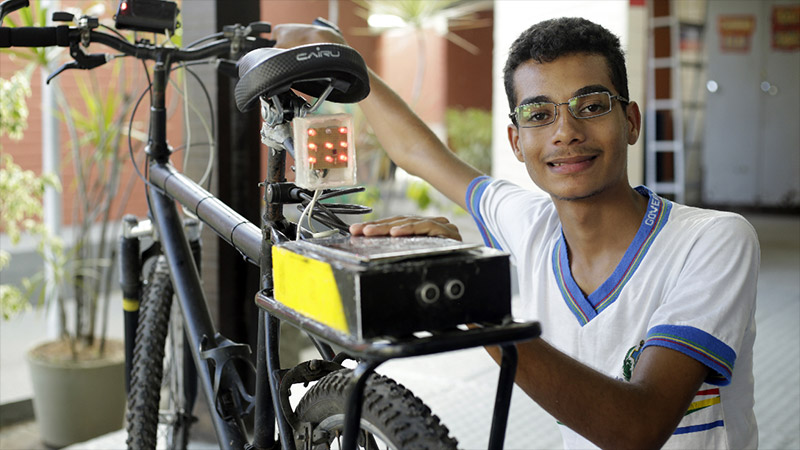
(373,352)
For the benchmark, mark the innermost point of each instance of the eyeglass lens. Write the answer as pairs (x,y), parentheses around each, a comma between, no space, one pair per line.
(581,107)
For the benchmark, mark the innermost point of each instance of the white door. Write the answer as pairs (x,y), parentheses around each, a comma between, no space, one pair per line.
(779,183)
(751,155)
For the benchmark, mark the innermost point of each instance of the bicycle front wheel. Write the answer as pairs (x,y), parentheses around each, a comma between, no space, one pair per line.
(158,412)
(391,418)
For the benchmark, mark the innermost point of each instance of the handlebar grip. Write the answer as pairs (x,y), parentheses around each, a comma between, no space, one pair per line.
(35,36)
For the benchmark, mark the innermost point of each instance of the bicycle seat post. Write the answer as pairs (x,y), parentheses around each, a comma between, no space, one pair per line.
(267,395)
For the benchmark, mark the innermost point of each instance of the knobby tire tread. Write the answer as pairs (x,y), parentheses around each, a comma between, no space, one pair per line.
(147,371)
(388,406)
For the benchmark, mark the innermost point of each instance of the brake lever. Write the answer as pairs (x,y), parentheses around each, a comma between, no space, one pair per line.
(69,65)
(81,61)
(9,6)
(257,28)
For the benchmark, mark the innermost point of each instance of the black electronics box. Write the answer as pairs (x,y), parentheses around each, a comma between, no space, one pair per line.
(155,16)
(392,287)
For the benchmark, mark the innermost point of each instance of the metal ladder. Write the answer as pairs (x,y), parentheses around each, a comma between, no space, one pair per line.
(672,149)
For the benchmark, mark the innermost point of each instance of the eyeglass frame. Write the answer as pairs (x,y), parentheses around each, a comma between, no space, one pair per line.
(611,97)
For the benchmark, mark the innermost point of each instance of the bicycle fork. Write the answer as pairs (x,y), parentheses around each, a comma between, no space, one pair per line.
(132,259)
(132,263)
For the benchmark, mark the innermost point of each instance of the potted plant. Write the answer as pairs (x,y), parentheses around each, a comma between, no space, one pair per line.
(83,270)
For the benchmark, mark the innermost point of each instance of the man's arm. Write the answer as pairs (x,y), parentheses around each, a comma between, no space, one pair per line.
(404,136)
(639,414)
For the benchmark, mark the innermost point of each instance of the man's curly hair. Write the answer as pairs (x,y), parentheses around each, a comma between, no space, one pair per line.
(548,40)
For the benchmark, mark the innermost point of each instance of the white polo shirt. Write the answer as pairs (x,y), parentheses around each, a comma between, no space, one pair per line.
(687,282)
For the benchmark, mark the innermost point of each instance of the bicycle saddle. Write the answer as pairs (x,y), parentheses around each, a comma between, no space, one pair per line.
(307,68)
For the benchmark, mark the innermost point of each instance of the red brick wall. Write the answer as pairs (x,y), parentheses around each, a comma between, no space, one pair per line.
(352,25)
(469,81)
(399,63)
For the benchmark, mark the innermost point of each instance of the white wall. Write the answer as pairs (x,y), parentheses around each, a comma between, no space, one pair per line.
(511,18)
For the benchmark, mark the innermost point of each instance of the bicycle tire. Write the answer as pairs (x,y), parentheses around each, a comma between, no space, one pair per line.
(390,412)
(155,419)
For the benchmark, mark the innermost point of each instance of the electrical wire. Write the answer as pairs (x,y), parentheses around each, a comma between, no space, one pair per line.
(169,40)
(307,212)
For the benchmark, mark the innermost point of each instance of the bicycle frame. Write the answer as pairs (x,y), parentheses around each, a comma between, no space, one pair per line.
(255,245)
(169,186)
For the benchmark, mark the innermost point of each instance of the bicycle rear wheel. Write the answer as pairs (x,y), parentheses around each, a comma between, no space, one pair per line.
(158,408)
(391,418)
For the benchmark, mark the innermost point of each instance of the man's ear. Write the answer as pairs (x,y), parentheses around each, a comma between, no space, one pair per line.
(634,118)
(513,140)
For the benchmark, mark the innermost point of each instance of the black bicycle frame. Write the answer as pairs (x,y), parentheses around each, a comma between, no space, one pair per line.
(165,187)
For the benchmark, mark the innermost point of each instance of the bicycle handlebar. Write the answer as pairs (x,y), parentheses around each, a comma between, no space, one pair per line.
(35,36)
(66,36)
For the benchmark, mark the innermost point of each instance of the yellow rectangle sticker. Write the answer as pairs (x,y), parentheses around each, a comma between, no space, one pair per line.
(309,287)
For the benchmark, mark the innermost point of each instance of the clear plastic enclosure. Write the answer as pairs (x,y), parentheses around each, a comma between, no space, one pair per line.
(325,154)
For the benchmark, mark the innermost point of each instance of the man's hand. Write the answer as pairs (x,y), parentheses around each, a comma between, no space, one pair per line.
(407,226)
(291,35)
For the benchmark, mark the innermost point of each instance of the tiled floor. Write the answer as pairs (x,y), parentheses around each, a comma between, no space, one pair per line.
(459,386)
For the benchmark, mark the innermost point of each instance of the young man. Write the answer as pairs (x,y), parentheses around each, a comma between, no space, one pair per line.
(647,306)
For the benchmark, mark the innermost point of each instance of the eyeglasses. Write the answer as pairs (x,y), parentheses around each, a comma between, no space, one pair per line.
(587,106)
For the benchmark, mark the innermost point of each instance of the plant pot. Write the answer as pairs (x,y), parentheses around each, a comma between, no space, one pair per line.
(75,400)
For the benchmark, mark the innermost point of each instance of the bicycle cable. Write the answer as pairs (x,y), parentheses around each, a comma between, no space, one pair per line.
(206,177)
(210,130)
(113,30)
(206,38)
(142,176)
(130,133)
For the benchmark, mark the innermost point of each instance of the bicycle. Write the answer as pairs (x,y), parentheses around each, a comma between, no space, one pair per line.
(345,407)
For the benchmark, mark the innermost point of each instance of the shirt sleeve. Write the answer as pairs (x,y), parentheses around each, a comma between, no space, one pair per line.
(475,192)
(506,214)
(707,312)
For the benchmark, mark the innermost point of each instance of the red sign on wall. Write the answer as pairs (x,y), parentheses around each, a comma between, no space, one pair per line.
(786,27)
(736,32)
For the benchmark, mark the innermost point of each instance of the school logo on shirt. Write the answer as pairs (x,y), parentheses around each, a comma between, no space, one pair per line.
(630,360)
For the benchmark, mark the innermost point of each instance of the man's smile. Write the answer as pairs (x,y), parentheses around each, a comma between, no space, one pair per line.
(571,164)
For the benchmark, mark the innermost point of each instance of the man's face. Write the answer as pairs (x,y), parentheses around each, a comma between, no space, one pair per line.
(573,159)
